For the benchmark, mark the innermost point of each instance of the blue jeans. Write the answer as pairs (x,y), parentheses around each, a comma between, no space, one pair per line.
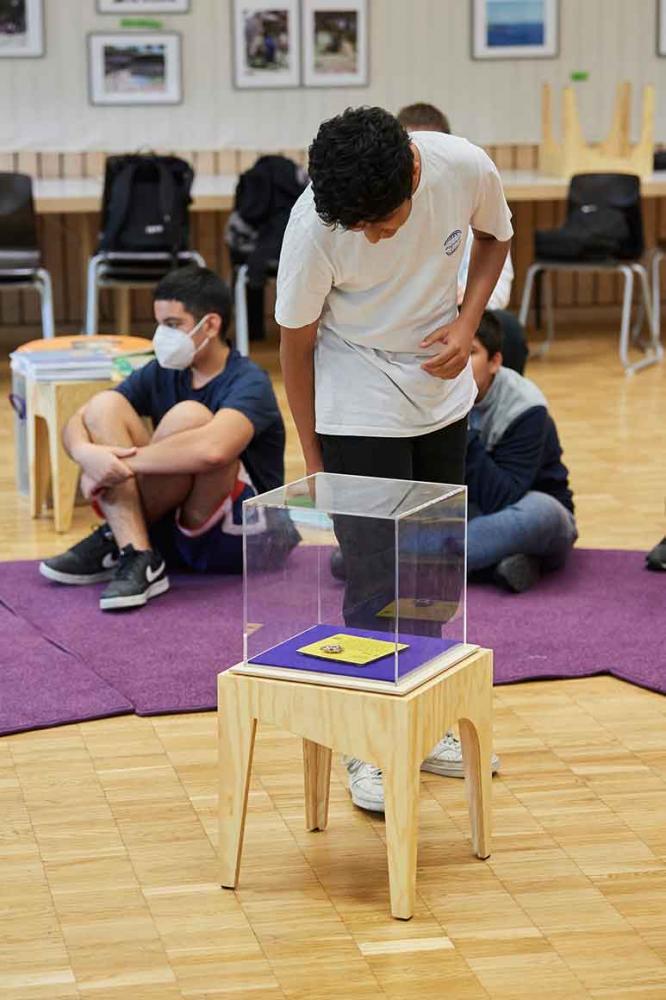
(537,525)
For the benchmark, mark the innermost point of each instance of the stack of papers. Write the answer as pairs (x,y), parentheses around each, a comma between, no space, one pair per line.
(83,363)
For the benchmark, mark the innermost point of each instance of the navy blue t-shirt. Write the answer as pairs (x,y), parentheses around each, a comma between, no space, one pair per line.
(243,386)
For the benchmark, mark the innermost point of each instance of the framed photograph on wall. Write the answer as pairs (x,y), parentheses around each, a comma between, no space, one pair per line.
(266,44)
(335,43)
(515,29)
(21,29)
(661,27)
(135,67)
(122,7)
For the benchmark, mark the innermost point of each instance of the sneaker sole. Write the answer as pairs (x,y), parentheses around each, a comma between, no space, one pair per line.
(135,600)
(453,770)
(74,579)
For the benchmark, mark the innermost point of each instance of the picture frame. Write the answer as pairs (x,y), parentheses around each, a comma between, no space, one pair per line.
(128,7)
(135,68)
(266,40)
(335,43)
(515,29)
(22,29)
(661,28)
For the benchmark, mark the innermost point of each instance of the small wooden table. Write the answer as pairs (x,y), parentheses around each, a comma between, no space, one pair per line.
(394,732)
(49,405)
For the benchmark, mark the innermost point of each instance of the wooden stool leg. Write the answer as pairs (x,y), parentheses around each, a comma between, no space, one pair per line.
(236,735)
(38,463)
(476,740)
(317,768)
(63,403)
(64,480)
(401,801)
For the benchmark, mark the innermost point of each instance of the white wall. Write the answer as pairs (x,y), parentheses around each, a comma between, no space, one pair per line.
(419,51)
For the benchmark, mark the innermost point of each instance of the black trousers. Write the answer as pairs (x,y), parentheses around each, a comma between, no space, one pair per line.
(368,545)
(438,457)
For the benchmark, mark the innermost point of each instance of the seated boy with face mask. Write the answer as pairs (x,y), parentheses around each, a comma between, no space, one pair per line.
(173,498)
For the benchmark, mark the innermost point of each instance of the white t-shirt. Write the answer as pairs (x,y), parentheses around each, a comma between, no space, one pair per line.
(375,303)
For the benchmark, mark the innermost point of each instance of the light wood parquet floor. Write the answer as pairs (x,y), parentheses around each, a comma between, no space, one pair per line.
(107,829)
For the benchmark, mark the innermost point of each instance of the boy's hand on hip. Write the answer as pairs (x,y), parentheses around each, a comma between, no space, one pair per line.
(456,340)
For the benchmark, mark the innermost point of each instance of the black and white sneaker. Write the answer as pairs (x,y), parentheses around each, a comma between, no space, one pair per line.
(92,560)
(139,576)
(656,558)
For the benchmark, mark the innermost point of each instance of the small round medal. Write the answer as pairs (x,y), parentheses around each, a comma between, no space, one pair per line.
(332,647)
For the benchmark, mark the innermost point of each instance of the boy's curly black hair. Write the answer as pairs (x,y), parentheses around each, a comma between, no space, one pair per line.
(360,166)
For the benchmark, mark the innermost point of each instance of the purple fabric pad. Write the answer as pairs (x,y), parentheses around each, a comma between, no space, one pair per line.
(43,685)
(420,650)
(602,614)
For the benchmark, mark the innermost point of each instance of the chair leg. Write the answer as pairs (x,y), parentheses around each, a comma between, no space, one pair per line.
(401,802)
(92,296)
(550,315)
(637,325)
(476,743)
(45,290)
(654,350)
(625,322)
(532,271)
(317,771)
(657,258)
(240,306)
(236,734)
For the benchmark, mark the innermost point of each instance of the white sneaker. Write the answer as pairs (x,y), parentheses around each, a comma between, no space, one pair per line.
(446,758)
(365,784)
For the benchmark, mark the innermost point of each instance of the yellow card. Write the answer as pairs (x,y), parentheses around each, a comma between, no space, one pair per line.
(355,649)
(420,610)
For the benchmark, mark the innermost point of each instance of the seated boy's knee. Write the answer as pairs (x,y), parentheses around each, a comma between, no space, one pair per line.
(103,407)
(183,416)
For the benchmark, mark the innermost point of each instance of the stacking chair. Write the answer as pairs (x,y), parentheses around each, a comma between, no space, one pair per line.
(145,227)
(619,191)
(128,270)
(20,257)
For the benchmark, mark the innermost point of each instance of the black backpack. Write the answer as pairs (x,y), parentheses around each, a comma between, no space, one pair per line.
(265,195)
(604,221)
(145,206)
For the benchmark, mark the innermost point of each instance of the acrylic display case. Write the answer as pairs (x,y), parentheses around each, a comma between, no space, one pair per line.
(355,581)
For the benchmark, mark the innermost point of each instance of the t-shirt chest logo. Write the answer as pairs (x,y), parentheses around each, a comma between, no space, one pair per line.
(452,242)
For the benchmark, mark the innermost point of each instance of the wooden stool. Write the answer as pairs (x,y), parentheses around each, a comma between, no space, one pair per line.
(49,405)
(395,732)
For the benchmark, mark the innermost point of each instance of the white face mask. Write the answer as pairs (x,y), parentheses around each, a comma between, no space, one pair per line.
(174,348)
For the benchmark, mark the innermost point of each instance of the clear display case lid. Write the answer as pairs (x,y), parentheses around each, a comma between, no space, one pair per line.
(362,496)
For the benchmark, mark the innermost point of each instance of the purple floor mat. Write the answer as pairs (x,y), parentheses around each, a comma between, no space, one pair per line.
(62,660)
(43,685)
(603,614)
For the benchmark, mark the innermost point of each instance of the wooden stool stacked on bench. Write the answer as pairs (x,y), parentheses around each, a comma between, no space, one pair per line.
(395,732)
